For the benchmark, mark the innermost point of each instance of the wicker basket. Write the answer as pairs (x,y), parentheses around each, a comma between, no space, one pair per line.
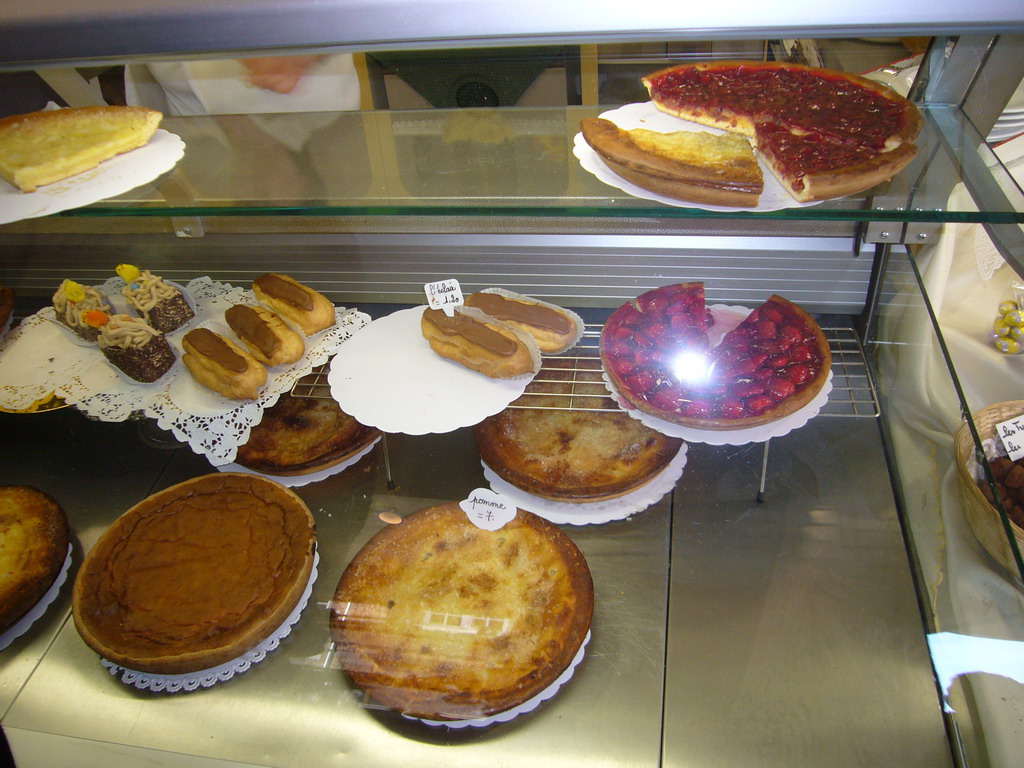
(983,518)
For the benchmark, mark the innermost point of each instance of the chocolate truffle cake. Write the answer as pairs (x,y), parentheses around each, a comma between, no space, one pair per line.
(136,348)
(162,305)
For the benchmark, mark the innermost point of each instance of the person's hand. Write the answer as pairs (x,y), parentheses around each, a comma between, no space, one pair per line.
(279,74)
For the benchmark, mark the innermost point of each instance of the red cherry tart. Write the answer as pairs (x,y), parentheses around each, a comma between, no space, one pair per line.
(655,351)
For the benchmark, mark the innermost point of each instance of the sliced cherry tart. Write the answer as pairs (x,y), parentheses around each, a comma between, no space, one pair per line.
(655,351)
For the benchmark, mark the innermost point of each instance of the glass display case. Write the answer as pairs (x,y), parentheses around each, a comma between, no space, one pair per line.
(795,600)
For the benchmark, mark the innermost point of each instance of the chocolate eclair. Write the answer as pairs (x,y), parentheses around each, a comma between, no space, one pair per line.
(264,334)
(480,343)
(312,312)
(554,329)
(223,366)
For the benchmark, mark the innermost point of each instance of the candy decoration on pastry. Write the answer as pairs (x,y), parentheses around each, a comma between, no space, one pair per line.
(554,329)
(480,343)
(265,335)
(222,366)
(135,347)
(293,301)
(161,304)
(72,301)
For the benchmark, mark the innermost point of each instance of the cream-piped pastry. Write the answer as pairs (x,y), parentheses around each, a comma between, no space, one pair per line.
(161,304)
(70,303)
(134,346)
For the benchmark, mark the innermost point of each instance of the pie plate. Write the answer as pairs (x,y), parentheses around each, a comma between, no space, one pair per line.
(22,626)
(296,481)
(646,115)
(387,376)
(205,678)
(726,318)
(593,512)
(526,706)
(113,177)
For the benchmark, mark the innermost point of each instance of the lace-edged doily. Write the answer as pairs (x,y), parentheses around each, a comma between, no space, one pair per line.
(40,357)
(192,681)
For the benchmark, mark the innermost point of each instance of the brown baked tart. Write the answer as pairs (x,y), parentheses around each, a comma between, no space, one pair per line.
(195,575)
(302,435)
(33,548)
(655,352)
(515,606)
(564,439)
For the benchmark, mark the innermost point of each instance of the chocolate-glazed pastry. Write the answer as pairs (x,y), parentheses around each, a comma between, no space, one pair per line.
(221,365)
(554,329)
(264,334)
(295,302)
(480,343)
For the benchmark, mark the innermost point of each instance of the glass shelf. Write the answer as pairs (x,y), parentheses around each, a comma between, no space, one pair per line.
(502,162)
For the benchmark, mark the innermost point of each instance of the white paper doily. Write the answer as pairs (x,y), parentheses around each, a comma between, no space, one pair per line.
(25,622)
(388,377)
(646,115)
(296,481)
(37,358)
(726,318)
(526,706)
(111,178)
(593,512)
(191,681)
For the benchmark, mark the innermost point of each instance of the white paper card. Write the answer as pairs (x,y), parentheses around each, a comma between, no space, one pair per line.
(444,295)
(1011,434)
(487,509)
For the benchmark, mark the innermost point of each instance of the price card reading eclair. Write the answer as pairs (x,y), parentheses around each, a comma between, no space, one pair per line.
(444,295)
(487,509)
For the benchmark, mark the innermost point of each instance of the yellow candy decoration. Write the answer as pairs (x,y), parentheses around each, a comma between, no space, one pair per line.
(1014,317)
(1017,332)
(74,291)
(130,273)
(1001,327)
(1007,306)
(1007,346)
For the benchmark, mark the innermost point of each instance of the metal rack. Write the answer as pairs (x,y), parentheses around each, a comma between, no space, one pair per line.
(852,396)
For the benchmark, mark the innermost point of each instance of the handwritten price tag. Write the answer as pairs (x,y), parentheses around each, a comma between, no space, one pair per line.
(487,509)
(1011,433)
(444,295)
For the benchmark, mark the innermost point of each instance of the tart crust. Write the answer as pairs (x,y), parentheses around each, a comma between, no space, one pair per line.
(715,171)
(522,597)
(891,154)
(807,391)
(562,440)
(33,547)
(195,575)
(302,435)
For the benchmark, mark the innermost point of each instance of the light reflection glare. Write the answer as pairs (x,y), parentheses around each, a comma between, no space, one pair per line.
(691,368)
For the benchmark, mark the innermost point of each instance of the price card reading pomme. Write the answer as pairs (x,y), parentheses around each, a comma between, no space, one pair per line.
(487,509)
(444,295)
(1011,433)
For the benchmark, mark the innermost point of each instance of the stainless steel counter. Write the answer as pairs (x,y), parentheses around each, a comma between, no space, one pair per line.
(726,632)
